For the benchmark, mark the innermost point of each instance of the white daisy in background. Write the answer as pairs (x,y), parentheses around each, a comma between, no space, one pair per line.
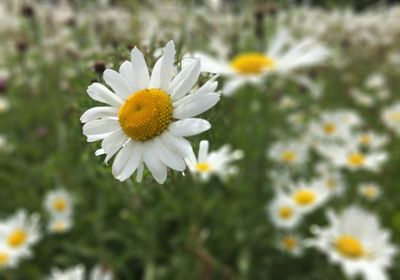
(372,140)
(391,117)
(4,104)
(355,240)
(9,258)
(73,273)
(352,157)
(291,244)
(283,56)
(308,196)
(375,81)
(20,232)
(100,273)
(5,145)
(59,202)
(289,153)
(283,212)
(149,116)
(370,191)
(331,178)
(59,224)
(218,162)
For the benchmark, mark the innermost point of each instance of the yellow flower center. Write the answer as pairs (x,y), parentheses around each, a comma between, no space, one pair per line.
(395,116)
(329,128)
(289,242)
(203,167)
(355,159)
(349,246)
(304,197)
(146,114)
(285,212)
(59,204)
(365,139)
(289,156)
(330,183)
(59,227)
(3,258)
(370,192)
(252,63)
(17,238)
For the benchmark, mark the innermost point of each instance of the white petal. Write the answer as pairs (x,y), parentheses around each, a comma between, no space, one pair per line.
(139,172)
(155,79)
(100,127)
(157,169)
(232,85)
(169,158)
(208,87)
(122,158)
(118,83)
(203,151)
(99,152)
(178,144)
(140,70)
(99,112)
(100,93)
(187,80)
(133,162)
(198,106)
(126,71)
(189,127)
(167,65)
(113,142)
(212,65)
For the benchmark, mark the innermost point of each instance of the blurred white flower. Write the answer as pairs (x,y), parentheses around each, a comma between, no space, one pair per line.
(391,117)
(4,104)
(308,196)
(100,273)
(9,257)
(372,140)
(369,191)
(355,240)
(149,117)
(283,212)
(218,162)
(291,244)
(331,178)
(289,153)
(74,273)
(59,224)
(284,55)
(375,81)
(59,202)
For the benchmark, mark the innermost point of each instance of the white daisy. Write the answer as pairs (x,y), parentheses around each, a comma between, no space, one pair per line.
(59,224)
(391,117)
(9,258)
(283,212)
(73,273)
(369,191)
(100,273)
(372,140)
(355,240)
(283,57)
(289,153)
(218,162)
(308,196)
(20,231)
(59,202)
(149,116)
(291,244)
(331,178)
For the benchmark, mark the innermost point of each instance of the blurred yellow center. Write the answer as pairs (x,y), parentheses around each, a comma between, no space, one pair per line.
(17,238)
(370,192)
(329,128)
(349,246)
(285,212)
(304,197)
(395,116)
(59,205)
(289,156)
(365,139)
(252,63)
(59,227)
(3,258)
(355,159)
(146,114)
(330,183)
(289,242)
(203,167)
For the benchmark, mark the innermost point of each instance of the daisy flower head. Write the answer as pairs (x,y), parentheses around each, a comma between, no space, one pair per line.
(391,117)
(370,191)
(372,140)
(331,178)
(283,56)
(308,196)
(20,232)
(283,212)
(73,273)
(352,157)
(149,115)
(355,240)
(289,153)
(9,258)
(291,244)
(218,162)
(59,224)
(59,202)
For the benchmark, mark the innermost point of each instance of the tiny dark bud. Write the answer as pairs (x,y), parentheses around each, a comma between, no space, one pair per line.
(22,46)
(99,67)
(27,11)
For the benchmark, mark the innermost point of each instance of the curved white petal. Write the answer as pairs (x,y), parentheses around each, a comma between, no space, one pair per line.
(121,159)
(155,79)
(185,81)
(167,65)
(100,127)
(99,112)
(212,65)
(189,127)
(140,70)
(203,151)
(178,144)
(126,71)
(118,83)
(169,158)
(113,142)
(157,169)
(232,85)
(100,93)
(197,106)
(132,163)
